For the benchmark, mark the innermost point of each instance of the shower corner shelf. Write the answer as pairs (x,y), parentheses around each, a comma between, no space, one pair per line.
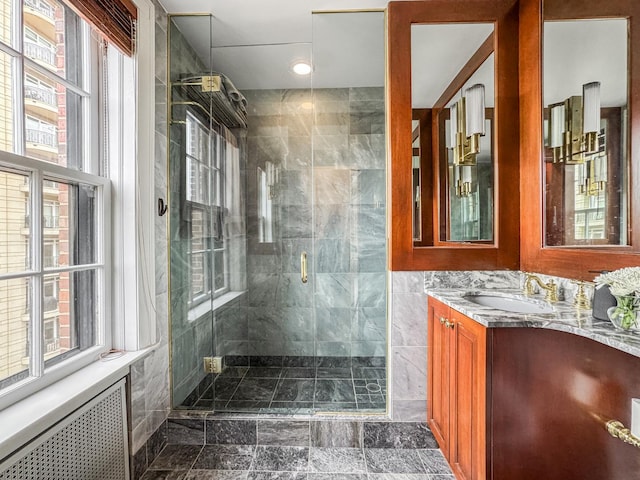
(209,95)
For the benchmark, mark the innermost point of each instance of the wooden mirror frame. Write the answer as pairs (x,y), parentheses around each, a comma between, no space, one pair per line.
(503,253)
(569,262)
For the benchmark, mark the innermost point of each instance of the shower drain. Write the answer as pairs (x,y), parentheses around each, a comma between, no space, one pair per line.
(373,388)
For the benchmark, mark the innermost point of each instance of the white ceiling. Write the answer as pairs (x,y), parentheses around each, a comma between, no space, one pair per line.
(438,53)
(579,52)
(255,42)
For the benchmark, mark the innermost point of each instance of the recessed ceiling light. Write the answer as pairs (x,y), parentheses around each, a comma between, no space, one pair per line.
(301,68)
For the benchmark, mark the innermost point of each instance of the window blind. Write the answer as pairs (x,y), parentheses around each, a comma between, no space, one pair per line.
(114,19)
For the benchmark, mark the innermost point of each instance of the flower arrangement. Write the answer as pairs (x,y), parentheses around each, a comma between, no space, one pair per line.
(625,286)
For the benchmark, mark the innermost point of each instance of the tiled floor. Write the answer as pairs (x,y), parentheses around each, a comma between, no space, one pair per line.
(293,390)
(260,462)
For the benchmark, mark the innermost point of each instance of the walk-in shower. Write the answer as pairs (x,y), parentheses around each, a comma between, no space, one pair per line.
(277,219)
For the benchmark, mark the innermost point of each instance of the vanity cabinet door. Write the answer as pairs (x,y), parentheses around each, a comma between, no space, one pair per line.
(438,352)
(468,398)
(457,389)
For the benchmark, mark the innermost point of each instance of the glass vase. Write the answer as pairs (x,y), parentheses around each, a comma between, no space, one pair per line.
(624,315)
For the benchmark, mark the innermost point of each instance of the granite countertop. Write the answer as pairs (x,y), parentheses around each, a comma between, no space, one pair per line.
(564,318)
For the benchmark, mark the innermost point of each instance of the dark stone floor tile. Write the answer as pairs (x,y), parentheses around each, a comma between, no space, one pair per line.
(292,433)
(236,361)
(400,476)
(281,459)
(177,457)
(225,457)
(231,432)
(298,361)
(333,362)
(335,372)
(277,476)
(165,475)
(294,390)
(338,476)
(434,462)
(233,372)
(216,475)
(185,431)
(390,460)
(299,372)
(336,433)
(207,394)
(224,387)
(265,361)
(337,460)
(412,435)
(255,389)
(264,372)
(378,362)
(334,391)
(369,373)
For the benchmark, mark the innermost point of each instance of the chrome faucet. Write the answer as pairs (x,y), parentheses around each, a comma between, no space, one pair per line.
(550,287)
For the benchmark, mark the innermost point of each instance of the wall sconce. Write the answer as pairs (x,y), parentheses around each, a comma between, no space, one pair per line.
(463,180)
(574,126)
(467,125)
(592,175)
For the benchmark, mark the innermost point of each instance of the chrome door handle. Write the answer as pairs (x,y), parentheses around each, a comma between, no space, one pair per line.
(303,267)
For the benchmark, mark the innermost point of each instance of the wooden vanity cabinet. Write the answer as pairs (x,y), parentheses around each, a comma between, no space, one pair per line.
(457,389)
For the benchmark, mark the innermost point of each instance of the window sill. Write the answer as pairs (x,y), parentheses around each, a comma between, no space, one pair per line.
(28,418)
(205,307)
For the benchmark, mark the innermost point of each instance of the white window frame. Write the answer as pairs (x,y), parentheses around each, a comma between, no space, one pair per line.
(39,376)
(131,148)
(128,201)
(213,205)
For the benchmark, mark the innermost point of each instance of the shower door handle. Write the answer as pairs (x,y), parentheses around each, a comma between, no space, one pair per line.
(303,267)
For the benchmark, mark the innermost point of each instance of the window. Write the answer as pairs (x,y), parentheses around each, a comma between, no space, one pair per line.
(208,154)
(54,198)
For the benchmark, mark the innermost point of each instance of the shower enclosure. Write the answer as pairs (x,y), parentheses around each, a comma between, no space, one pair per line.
(277,219)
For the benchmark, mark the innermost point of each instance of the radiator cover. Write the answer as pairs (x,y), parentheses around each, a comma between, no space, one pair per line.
(89,444)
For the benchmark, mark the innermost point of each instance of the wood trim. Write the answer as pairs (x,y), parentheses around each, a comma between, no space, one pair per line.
(114,19)
(475,62)
(504,253)
(568,261)
(425,117)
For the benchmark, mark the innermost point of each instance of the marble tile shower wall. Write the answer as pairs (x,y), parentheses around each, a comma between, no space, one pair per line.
(191,339)
(149,399)
(329,146)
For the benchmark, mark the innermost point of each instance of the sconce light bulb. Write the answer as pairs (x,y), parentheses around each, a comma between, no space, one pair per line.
(474,97)
(591,107)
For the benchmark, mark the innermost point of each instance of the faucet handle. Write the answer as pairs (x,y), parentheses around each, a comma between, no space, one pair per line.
(581,300)
(552,292)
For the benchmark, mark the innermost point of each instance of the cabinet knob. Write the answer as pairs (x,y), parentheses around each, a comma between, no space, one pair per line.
(443,321)
(449,324)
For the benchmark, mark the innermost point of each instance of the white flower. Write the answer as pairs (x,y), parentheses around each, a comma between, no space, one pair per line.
(625,281)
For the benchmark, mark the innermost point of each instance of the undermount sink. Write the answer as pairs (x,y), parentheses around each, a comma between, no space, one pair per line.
(509,303)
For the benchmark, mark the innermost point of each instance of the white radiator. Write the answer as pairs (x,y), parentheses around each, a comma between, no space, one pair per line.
(89,444)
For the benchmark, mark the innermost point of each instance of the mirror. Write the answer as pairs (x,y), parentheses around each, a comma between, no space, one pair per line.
(586,137)
(452,72)
(434,50)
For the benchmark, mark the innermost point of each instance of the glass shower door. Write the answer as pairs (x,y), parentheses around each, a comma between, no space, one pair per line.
(349,210)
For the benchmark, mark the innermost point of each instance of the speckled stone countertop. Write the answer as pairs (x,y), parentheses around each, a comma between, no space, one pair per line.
(564,318)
